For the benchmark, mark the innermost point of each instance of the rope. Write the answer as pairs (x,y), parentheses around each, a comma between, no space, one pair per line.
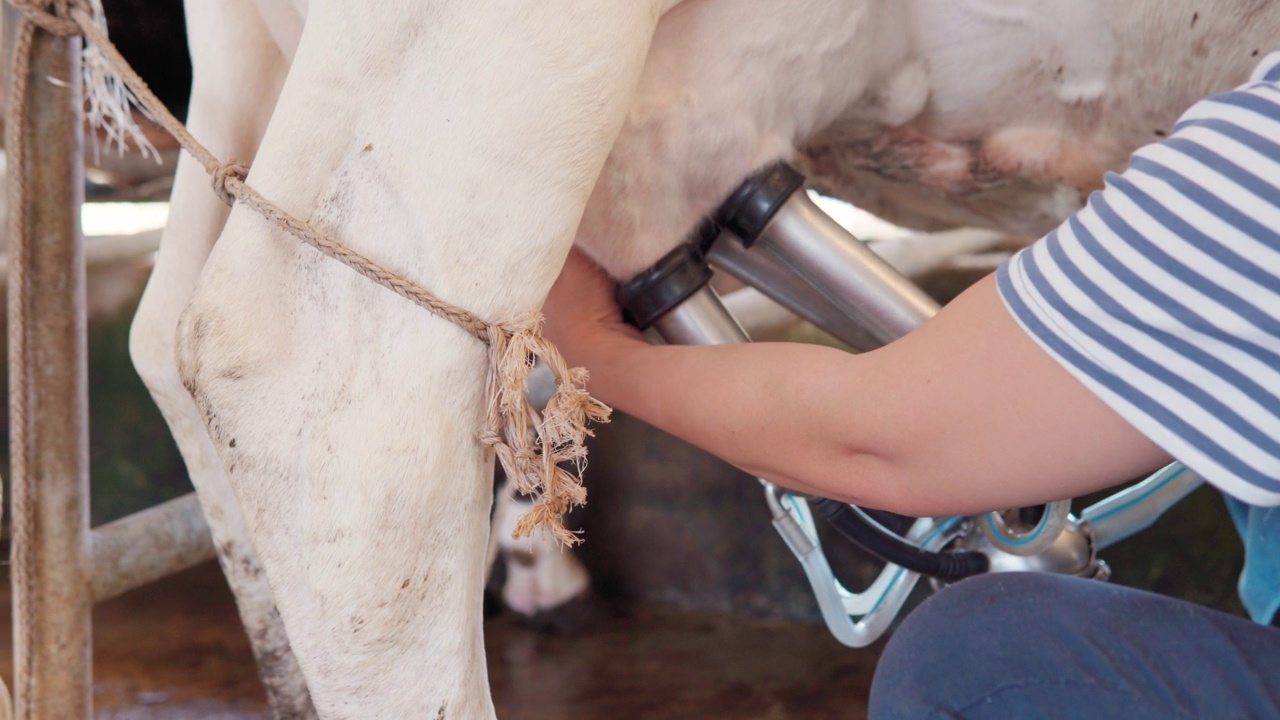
(531,448)
(228,182)
(56,22)
(23,545)
(230,170)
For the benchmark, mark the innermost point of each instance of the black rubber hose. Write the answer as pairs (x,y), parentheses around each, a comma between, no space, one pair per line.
(869,536)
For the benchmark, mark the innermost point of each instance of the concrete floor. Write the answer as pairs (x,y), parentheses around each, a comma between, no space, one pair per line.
(175,650)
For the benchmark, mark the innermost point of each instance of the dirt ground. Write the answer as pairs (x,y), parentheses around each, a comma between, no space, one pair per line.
(175,650)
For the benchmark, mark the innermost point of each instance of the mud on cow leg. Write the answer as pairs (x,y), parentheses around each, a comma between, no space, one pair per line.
(240,72)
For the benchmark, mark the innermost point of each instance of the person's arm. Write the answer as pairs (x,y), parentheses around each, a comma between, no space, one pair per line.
(965,414)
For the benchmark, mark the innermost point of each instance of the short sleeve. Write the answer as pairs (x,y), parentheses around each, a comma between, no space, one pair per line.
(1163,294)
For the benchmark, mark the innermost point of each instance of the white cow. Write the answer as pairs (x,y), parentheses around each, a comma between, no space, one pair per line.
(327,420)
(331,426)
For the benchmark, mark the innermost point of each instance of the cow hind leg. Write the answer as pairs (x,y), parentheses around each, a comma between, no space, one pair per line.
(457,143)
(238,73)
(540,575)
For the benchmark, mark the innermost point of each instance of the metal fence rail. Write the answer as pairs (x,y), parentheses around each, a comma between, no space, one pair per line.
(60,566)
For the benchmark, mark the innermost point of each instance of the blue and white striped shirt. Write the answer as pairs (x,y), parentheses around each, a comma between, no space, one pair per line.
(1163,294)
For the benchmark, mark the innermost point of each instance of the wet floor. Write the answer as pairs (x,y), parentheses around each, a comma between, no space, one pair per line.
(175,651)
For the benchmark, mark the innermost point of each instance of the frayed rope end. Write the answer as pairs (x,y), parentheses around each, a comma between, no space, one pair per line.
(531,447)
(109,103)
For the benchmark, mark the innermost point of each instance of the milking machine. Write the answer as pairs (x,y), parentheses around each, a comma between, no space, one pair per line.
(772,236)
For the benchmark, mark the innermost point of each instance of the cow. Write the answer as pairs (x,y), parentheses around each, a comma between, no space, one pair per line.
(330,427)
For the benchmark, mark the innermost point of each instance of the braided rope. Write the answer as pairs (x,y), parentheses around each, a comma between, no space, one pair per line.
(23,545)
(530,447)
(52,17)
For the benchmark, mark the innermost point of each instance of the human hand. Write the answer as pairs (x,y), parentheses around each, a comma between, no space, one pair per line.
(583,318)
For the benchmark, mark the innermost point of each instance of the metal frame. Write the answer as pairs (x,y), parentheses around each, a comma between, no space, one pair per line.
(858,619)
(60,567)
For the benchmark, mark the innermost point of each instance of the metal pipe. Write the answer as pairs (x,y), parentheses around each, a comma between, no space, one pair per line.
(1137,507)
(762,269)
(51,557)
(845,270)
(700,320)
(149,545)
(1072,553)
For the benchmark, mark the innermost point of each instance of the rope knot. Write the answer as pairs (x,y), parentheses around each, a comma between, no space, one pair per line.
(225,171)
(52,16)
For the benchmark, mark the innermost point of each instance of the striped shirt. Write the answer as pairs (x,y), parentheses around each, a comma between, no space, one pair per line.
(1163,294)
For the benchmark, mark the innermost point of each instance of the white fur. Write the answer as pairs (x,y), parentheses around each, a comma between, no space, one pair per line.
(238,76)
(345,417)
(930,113)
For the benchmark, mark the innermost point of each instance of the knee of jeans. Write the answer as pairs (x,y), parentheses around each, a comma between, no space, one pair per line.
(935,644)
(977,604)
(1006,607)
(936,629)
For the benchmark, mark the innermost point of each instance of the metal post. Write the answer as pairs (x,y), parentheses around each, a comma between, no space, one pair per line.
(149,545)
(51,554)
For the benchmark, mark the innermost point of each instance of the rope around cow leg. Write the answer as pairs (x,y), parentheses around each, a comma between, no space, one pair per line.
(530,448)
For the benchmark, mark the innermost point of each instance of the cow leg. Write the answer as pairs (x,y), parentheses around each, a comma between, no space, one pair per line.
(540,575)
(238,73)
(456,142)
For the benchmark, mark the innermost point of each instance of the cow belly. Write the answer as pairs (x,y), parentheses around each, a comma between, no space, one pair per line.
(931,113)
(1017,138)
(1016,206)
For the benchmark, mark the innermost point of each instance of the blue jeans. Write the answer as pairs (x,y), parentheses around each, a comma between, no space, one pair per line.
(1034,645)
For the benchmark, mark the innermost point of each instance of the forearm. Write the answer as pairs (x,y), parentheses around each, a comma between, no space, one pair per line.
(965,414)
(761,407)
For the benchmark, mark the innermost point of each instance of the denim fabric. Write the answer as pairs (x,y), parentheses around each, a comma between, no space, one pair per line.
(1033,645)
